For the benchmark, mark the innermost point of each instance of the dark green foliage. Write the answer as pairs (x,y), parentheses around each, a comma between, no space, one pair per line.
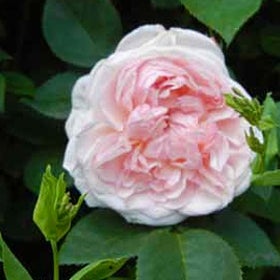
(250,242)
(162,254)
(81,32)
(99,270)
(220,15)
(44,47)
(12,267)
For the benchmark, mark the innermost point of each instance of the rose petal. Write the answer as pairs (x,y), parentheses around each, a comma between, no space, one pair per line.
(139,37)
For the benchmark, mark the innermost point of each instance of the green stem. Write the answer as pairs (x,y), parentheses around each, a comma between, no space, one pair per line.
(55,261)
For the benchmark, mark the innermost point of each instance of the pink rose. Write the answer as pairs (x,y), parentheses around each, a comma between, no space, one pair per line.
(150,135)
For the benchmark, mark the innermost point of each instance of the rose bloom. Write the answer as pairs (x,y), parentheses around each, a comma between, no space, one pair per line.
(150,135)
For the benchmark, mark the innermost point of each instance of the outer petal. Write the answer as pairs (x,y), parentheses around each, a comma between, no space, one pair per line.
(203,203)
(197,41)
(78,120)
(81,115)
(139,37)
(142,218)
(243,182)
(151,36)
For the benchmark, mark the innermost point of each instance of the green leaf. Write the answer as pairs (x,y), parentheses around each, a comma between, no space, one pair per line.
(263,193)
(271,149)
(120,278)
(249,241)
(268,178)
(250,109)
(270,108)
(266,118)
(99,270)
(257,164)
(53,99)
(270,40)
(224,17)
(19,84)
(266,123)
(250,203)
(2,93)
(271,142)
(44,214)
(206,248)
(278,128)
(4,56)
(162,257)
(13,269)
(190,255)
(53,211)
(35,168)
(81,32)
(166,4)
(102,235)
(162,254)
(254,143)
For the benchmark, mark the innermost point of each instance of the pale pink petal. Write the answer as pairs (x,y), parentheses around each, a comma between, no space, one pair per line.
(197,41)
(139,37)
(142,218)
(243,182)
(111,147)
(219,153)
(202,203)
(231,129)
